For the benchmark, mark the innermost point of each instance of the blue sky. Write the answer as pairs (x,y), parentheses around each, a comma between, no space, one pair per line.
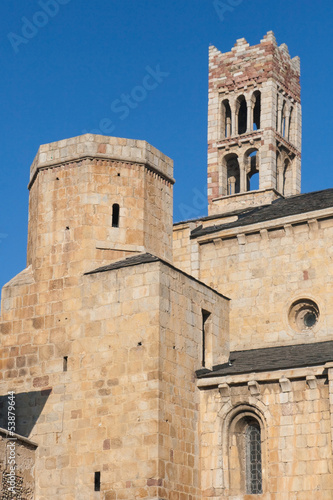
(66,62)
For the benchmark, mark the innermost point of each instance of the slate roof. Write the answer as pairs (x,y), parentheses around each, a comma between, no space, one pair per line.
(282,207)
(273,358)
(142,258)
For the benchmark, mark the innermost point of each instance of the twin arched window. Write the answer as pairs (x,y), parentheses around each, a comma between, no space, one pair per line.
(285,119)
(240,176)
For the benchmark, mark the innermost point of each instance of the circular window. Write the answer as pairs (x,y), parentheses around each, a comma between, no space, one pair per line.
(303,315)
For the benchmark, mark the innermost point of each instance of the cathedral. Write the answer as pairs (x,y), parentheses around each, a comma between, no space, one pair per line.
(142,359)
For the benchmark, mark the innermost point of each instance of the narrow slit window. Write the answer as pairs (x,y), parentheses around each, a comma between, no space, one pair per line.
(115,215)
(205,316)
(97,481)
(65,365)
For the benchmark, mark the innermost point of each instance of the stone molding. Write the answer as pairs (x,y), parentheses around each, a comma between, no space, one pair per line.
(275,376)
(278,223)
(92,147)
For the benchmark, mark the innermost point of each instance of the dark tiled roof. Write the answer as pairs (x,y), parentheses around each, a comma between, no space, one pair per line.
(142,258)
(280,208)
(212,217)
(273,358)
(145,258)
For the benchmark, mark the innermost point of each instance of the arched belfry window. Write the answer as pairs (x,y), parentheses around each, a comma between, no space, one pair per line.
(115,215)
(291,130)
(232,174)
(287,178)
(241,112)
(284,120)
(256,110)
(252,169)
(226,119)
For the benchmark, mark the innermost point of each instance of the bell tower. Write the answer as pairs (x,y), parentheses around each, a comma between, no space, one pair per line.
(254,125)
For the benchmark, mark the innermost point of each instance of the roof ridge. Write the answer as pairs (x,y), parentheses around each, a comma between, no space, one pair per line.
(283,346)
(128,261)
(268,359)
(279,209)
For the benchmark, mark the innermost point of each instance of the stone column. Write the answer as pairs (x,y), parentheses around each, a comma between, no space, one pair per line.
(279,126)
(234,117)
(228,120)
(249,127)
(279,114)
(242,180)
(231,185)
(287,124)
(280,180)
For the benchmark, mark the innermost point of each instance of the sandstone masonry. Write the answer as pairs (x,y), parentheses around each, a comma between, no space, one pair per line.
(191,361)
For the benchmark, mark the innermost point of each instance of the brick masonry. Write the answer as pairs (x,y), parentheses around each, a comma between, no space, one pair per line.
(244,73)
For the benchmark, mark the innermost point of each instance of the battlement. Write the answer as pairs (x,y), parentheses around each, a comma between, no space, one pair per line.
(247,65)
(254,122)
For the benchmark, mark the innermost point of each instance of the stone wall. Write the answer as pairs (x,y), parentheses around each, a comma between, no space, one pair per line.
(107,361)
(182,303)
(24,484)
(264,269)
(295,433)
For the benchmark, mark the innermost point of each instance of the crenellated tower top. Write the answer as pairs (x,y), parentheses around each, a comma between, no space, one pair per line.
(254,125)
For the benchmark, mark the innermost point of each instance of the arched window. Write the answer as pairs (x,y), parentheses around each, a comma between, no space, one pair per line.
(256,110)
(233,174)
(284,166)
(245,454)
(253,458)
(226,119)
(284,120)
(251,161)
(241,112)
(253,181)
(115,215)
(291,126)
